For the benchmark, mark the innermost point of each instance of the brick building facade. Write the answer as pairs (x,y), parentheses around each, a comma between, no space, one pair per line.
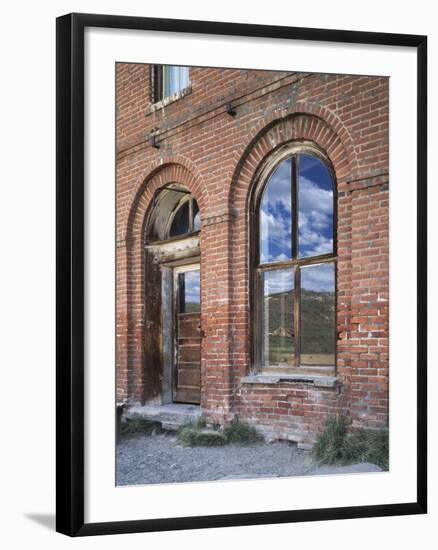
(213,145)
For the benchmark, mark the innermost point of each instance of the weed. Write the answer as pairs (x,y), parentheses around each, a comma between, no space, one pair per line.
(329,444)
(335,446)
(194,434)
(242,434)
(367,446)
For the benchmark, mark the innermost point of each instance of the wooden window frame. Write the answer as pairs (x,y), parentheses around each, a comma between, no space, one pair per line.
(256,300)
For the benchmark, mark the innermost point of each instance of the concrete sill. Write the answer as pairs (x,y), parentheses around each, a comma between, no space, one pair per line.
(316,380)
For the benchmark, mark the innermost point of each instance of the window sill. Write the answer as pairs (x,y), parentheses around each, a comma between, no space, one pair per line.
(317,380)
(169,99)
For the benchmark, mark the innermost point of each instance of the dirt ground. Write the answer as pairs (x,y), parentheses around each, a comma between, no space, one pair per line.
(144,459)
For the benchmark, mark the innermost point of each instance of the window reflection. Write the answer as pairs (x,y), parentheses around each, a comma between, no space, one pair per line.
(276,215)
(174,79)
(315,201)
(318,314)
(189,292)
(278,348)
(296,225)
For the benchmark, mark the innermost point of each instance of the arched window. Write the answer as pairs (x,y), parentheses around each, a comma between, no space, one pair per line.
(175,213)
(296,265)
(185,218)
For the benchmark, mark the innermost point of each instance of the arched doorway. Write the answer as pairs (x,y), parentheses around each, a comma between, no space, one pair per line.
(172,297)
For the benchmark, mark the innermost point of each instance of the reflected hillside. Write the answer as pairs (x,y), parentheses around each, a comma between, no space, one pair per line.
(317,325)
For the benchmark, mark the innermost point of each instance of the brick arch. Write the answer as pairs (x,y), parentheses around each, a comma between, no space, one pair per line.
(332,120)
(131,267)
(315,126)
(157,174)
(309,122)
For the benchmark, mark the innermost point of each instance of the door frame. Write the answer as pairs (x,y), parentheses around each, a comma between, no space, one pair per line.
(193,265)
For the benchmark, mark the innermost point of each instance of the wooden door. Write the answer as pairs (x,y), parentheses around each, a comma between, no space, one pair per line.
(187,372)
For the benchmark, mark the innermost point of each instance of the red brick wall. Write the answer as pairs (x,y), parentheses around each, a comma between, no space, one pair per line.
(216,156)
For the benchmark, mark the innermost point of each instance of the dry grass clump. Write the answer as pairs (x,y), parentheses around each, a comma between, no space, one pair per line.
(336,446)
(195,434)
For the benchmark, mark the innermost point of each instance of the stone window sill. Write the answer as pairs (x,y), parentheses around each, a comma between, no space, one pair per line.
(169,99)
(317,380)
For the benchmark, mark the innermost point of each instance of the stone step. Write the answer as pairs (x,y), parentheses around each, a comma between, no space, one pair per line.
(170,416)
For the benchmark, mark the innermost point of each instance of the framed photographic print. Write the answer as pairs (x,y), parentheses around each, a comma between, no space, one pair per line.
(241,274)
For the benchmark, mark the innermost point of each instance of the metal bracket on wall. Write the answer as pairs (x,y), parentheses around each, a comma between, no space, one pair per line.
(230,109)
(153,141)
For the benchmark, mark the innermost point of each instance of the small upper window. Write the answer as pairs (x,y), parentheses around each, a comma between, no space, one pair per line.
(169,80)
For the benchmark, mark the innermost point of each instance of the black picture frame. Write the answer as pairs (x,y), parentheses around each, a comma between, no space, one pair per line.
(70,273)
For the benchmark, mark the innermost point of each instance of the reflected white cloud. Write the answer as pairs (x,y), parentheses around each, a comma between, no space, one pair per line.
(275,230)
(192,287)
(313,198)
(315,216)
(315,219)
(275,216)
(278,280)
(193,295)
(318,278)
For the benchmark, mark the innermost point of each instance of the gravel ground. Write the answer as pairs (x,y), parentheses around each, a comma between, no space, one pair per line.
(160,459)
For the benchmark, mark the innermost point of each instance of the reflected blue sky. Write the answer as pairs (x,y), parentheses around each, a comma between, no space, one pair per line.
(318,278)
(315,211)
(189,288)
(275,216)
(315,200)
(192,286)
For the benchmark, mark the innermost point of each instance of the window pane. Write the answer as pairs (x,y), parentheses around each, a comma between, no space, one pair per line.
(318,319)
(278,341)
(180,223)
(196,217)
(315,201)
(189,292)
(183,77)
(275,216)
(174,79)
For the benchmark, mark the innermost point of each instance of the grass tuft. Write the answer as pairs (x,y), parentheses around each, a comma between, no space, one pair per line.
(329,443)
(335,446)
(241,434)
(367,446)
(195,434)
